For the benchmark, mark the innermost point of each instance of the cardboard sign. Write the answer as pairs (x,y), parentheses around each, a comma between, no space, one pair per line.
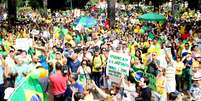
(170,72)
(23,43)
(118,64)
(35,32)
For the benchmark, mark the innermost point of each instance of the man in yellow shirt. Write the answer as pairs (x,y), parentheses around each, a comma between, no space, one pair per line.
(98,62)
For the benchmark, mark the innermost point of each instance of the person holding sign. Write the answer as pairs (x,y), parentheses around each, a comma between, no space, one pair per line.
(170,74)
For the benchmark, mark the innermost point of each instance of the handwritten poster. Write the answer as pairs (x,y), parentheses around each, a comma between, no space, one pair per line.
(118,64)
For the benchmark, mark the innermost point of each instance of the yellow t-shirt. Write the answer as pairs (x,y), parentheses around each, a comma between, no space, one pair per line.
(160,86)
(98,62)
(179,67)
(196,64)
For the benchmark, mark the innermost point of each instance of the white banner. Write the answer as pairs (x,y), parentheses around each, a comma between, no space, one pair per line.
(118,64)
(23,43)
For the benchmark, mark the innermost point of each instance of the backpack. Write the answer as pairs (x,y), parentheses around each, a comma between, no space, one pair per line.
(101,57)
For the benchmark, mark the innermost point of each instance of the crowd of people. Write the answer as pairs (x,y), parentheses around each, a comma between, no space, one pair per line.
(76,58)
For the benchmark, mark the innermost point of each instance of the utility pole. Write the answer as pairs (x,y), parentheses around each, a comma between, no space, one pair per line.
(111,12)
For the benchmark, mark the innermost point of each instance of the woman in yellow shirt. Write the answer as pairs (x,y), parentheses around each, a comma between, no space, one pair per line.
(160,85)
(179,68)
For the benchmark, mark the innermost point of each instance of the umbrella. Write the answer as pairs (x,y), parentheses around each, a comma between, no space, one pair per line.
(85,21)
(152,17)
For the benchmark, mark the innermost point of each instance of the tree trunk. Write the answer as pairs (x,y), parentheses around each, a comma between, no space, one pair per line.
(11,13)
(111,12)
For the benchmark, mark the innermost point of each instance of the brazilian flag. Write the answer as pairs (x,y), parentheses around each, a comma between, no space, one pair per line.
(29,90)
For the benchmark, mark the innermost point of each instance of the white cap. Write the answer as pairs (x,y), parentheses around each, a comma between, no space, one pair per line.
(197,76)
(8,91)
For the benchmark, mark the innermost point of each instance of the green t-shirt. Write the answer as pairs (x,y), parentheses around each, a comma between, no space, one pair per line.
(52,56)
(3,53)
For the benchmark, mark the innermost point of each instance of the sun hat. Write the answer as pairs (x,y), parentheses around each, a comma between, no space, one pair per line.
(197,76)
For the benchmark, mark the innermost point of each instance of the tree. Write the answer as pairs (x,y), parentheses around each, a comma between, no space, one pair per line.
(111,12)
(36,4)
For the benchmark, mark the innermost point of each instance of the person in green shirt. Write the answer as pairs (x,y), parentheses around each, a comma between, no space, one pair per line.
(52,55)
(3,51)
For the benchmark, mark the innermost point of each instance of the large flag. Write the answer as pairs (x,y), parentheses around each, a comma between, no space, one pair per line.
(29,90)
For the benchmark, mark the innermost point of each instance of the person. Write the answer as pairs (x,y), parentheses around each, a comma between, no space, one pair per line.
(196,87)
(98,62)
(9,60)
(127,90)
(186,49)
(173,96)
(145,92)
(179,68)
(153,64)
(21,69)
(52,54)
(187,72)
(58,83)
(170,75)
(85,54)
(196,66)
(3,74)
(160,85)
(112,96)
(74,85)
(73,64)
(84,72)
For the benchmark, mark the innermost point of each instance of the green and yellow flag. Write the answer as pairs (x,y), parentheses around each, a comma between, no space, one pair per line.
(29,90)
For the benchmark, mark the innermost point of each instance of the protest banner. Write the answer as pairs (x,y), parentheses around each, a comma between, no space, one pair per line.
(118,64)
(23,43)
(152,81)
(170,72)
(35,32)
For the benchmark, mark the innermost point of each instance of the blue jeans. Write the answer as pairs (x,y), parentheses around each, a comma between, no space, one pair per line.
(96,77)
(1,92)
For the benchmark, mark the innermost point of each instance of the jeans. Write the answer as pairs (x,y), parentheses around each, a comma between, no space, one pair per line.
(1,92)
(60,97)
(96,77)
(187,80)
(179,85)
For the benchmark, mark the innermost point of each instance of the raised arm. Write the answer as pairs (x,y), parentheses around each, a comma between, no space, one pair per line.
(100,91)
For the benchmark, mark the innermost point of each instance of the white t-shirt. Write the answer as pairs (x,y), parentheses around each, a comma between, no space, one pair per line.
(170,77)
(161,59)
(10,62)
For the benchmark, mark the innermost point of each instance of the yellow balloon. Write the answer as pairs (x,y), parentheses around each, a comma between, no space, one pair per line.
(56,35)
(136,30)
(68,37)
(43,72)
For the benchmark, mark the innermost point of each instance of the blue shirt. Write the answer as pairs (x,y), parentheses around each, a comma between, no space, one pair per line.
(74,66)
(69,92)
(1,75)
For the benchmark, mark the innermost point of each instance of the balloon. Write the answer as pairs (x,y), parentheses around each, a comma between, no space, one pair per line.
(142,31)
(68,37)
(43,73)
(136,30)
(35,74)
